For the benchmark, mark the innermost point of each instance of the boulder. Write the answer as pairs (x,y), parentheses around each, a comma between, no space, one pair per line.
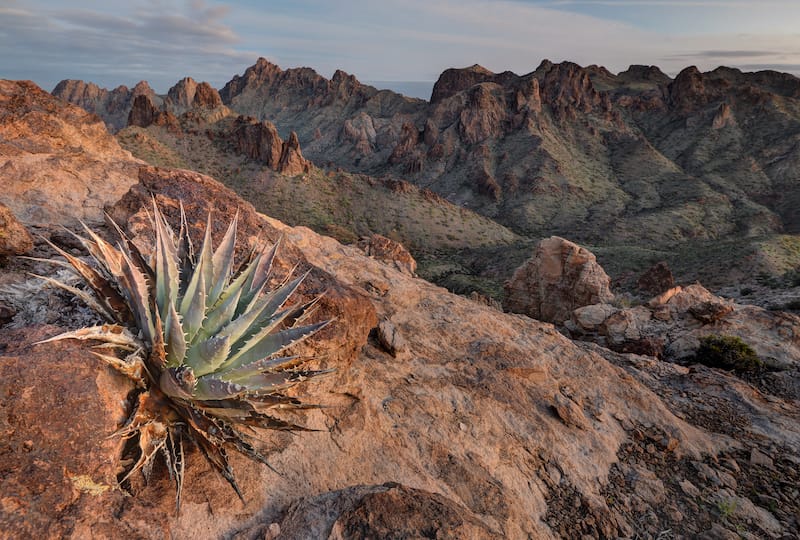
(390,252)
(657,279)
(560,277)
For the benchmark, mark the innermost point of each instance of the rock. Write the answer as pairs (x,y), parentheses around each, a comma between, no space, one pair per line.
(206,97)
(760,459)
(709,312)
(260,141)
(590,318)
(689,488)
(14,237)
(389,511)
(390,252)
(58,460)
(181,96)
(112,106)
(569,412)
(143,112)
(560,277)
(646,485)
(257,140)
(59,163)
(291,160)
(390,339)
(657,279)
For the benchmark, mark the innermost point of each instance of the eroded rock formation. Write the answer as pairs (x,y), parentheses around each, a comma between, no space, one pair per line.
(560,277)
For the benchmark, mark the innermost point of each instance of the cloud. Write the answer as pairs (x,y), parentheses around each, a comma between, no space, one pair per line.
(160,42)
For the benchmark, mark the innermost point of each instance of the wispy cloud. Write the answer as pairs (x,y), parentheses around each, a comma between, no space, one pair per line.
(163,40)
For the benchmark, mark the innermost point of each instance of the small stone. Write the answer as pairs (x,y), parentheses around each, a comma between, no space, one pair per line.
(272,532)
(553,473)
(670,444)
(761,459)
(731,464)
(569,412)
(727,479)
(689,488)
(390,339)
(462,426)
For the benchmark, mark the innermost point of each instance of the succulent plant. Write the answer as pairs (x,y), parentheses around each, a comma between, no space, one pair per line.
(203,343)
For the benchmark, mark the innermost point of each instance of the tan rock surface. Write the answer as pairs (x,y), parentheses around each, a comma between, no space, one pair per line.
(560,277)
(389,251)
(58,163)
(14,237)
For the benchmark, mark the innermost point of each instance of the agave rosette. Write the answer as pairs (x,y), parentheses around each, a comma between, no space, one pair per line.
(204,342)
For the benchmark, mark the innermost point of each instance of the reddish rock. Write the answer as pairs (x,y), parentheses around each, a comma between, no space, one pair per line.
(57,475)
(291,159)
(560,277)
(206,96)
(143,112)
(656,279)
(389,251)
(452,81)
(14,237)
(257,140)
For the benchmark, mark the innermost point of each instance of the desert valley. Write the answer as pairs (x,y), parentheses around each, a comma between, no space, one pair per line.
(562,304)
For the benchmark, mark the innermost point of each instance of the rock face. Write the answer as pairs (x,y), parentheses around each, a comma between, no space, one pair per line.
(187,94)
(389,251)
(112,106)
(58,162)
(560,277)
(14,237)
(260,141)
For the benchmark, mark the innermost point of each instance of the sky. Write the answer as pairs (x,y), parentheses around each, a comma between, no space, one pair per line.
(400,43)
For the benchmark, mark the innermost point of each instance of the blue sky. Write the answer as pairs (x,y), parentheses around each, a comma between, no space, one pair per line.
(115,42)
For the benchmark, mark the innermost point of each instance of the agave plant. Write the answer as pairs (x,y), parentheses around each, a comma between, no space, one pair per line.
(203,342)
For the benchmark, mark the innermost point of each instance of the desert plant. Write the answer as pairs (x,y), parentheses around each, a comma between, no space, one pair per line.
(727,352)
(203,343)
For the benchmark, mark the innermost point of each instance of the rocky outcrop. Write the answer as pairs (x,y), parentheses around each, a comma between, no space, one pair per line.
(560,277)
(58,162)
(14,237)
(112,106)
(291,160)
(453,81)
(206,97)
(389,251)
(187,94)
(260,141)
(257,140)
(641,73)
(671,324)
(144,114)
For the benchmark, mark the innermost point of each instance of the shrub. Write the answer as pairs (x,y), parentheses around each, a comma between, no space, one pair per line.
(727,352)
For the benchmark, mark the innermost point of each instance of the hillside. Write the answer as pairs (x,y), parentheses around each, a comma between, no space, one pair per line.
(640,166)
(246,155)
